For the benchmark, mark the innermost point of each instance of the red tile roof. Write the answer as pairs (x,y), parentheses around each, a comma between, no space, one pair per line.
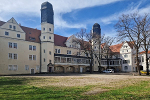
(60,40)
(144,52)
(116,48)
(32,35)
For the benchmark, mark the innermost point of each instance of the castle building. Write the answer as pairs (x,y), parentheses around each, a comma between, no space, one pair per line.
(25,50)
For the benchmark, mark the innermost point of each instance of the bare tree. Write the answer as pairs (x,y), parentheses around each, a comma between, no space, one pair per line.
(145,29)
(85,41)
(104,50)
(129,27)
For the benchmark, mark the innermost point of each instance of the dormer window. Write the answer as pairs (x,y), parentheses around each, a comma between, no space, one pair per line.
(10,26)
(49,29)
(14,27)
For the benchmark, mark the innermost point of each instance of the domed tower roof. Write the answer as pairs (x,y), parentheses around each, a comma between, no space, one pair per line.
(47,13)
(96,29)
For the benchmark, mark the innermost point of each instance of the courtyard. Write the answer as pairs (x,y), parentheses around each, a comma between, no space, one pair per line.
(75,86)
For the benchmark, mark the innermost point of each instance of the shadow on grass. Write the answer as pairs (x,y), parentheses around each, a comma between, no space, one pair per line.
(11,81)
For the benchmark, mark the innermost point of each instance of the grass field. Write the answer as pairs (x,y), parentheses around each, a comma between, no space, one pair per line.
(75,88)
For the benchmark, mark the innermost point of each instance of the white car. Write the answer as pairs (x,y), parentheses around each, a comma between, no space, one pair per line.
(108,71)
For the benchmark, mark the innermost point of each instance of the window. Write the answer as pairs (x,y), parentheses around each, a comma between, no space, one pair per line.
(14,27)
(43,29)
(43,37)
(30,33)
(10,55)
(18,35)
(10,67)
(49,29)
(30,47)
(57,50)
(34,48)
(34,57)
(15,45)
(10,45)
(50,52)
(127,50)
(6,33)
(26,67)
(68,51)
(15,67)
(125,55)
(68,60)
(126,61)
(10,26)
(37,67)
(49,37)
(15,56)
(142,59)
(49,61)
(30,57)
(95,62)
(44,59)
(95,47)
(44,50)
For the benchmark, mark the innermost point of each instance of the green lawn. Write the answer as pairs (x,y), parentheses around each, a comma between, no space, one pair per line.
(18,88)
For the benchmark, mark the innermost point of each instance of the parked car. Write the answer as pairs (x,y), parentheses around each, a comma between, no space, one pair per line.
(108,71)
(144,71)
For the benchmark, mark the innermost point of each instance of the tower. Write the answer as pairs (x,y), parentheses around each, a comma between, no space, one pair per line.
(47,37)
(96,29)
(96,43)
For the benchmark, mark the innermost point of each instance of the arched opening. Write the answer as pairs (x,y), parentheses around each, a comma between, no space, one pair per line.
(59,69)
(70,69)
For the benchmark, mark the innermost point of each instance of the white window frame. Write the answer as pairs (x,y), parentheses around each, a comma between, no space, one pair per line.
(12,55)
(12,67)
(32,57)
(32,46)
(57,50)
(26,67)
(6,32)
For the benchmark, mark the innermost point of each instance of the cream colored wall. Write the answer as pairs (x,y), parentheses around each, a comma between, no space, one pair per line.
(12,33)
(48,47)
(23,53)
(47,26)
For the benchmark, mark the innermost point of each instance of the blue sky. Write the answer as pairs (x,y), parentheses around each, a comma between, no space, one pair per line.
(72,15)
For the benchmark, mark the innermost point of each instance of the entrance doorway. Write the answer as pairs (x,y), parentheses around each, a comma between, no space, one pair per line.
(32,71)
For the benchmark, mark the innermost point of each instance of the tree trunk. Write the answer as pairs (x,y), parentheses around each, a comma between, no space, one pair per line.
(137,62)
(147,65)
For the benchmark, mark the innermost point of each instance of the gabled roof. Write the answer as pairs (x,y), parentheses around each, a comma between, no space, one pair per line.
(60,40)
(130,44)
(116,48)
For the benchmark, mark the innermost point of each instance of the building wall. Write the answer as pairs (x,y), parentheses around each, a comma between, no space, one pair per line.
(126,54)
(22,52)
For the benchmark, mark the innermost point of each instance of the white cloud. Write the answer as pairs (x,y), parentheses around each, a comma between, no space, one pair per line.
(8,8)
(132,8)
